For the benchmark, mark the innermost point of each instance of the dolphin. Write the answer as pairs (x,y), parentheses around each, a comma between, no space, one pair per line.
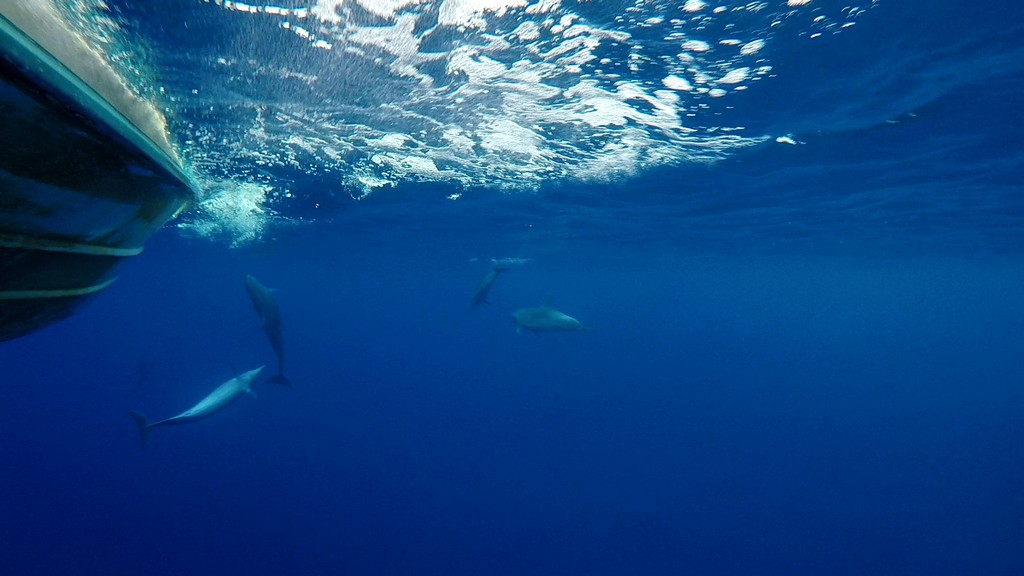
(215,401)
(509,262)
(544,319)
(484,286)
(270,320)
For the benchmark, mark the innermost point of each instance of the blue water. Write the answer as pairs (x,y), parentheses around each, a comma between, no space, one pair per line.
(800,358)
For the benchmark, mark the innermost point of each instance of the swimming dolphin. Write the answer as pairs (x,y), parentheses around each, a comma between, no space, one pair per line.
(480,293)
(270,320)
(544,319)
(215,401)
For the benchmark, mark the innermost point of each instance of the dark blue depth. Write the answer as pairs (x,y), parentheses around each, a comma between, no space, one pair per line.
(803,360)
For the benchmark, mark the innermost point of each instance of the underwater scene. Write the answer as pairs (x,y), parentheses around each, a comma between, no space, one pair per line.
(512,287)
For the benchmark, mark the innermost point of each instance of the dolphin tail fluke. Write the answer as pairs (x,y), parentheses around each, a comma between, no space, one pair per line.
(280,379)
(143,424)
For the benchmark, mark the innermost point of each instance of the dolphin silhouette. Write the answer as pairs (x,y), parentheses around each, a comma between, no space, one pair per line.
(484,286)
(265,303)
(215,401)
(544,319)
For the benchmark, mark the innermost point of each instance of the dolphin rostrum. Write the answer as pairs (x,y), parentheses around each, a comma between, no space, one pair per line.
(544,319)
(480,293)
(265,303)
(215,401)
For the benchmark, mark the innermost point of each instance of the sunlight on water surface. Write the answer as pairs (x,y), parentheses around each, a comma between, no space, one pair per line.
(502,94)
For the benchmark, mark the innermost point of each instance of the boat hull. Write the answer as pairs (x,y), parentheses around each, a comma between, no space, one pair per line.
(81,188)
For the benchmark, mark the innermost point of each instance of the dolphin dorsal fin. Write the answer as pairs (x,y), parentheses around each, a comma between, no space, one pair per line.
(547,302)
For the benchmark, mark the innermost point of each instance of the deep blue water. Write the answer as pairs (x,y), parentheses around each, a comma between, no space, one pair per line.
(800,359)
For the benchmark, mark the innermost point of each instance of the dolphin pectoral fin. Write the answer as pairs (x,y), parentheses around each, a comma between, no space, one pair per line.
(143,425)
(519,329)
(251,393)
